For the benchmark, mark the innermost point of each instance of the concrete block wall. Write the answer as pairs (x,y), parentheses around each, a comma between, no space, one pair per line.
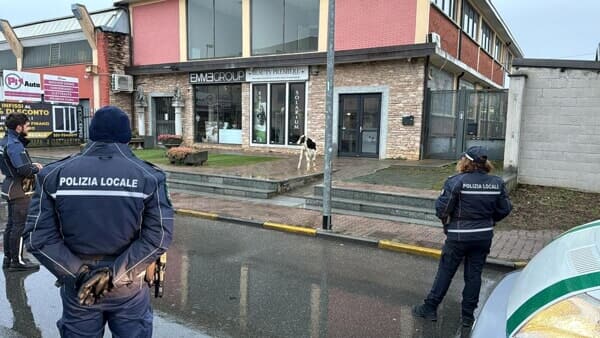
(560,128)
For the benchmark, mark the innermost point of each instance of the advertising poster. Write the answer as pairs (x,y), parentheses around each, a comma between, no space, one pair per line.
(61,89)
(46,120)
(296,112)
(259,115)
(21,86)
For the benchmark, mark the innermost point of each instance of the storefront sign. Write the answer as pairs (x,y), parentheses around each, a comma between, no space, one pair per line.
(46,120)
(218,76)
(277,74)
(61,89)
(296,112)
(21,86)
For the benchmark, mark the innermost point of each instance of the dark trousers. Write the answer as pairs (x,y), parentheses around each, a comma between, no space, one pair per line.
(453,253)
(17,215)
(127,310)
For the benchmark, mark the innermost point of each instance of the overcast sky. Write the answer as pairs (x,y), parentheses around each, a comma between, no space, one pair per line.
(542,28)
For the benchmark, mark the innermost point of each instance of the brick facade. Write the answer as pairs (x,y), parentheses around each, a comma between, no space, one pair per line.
(405,81)
(469,50)
(439,23)
(403,78)
(118,57)
(485,64)
(164,86)
(498,75)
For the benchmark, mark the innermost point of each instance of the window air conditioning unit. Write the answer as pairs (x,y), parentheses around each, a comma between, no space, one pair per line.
(122,83)
(434,38)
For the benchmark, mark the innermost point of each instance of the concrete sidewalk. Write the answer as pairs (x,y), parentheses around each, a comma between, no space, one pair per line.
(510,248)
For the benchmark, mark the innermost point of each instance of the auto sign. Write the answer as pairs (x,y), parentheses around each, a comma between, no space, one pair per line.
(21,86)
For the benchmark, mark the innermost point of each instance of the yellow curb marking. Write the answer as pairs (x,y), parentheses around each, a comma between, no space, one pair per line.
(290,228)
(419,250)
(195,213)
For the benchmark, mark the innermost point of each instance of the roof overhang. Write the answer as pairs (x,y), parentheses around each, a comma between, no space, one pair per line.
(300,59)
(562,64)
(114,20)
(492,15)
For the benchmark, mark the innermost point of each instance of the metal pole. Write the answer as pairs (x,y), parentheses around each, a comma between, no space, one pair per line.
(329,117)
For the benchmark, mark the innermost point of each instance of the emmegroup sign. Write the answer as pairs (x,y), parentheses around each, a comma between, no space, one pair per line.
(21,86)
(218,76)
(46,120)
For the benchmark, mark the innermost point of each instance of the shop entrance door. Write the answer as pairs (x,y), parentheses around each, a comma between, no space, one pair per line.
(359,116)
(164,114)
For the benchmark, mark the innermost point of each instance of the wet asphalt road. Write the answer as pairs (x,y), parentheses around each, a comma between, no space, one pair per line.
(228,280)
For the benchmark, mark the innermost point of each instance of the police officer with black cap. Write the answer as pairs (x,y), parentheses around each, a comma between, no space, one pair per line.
(17,189)
(469,206)
(97,220)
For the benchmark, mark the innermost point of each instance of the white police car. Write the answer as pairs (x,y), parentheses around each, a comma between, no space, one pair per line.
(556,295)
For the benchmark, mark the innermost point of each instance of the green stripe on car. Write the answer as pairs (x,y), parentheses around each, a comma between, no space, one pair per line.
(550,294)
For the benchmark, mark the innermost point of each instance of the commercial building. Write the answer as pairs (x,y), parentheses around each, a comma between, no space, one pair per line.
(85,49)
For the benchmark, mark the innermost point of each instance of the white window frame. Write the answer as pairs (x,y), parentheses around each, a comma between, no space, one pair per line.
(498,50)
(448,7)
(67,112)
(470,24)
(268,112)
(486,37)
(508,61)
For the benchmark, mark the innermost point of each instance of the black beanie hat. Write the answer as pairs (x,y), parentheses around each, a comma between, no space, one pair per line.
(110,124)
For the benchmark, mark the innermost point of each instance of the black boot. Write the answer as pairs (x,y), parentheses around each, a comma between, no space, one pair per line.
(467,321)
(423,311)
(15,265)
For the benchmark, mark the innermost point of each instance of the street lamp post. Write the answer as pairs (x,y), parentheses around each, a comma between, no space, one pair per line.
(329,117)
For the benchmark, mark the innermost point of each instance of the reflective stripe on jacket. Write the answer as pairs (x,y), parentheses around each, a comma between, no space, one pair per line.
(102,202)
(472,203)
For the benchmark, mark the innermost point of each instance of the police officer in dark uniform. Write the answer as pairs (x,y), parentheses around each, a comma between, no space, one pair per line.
(17,189)
(469,206)
(97,220)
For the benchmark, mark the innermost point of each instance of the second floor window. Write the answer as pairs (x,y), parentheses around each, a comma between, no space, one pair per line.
(64,53)
(486,38)
(498,50)
(284,26)
(508,62)
(447,6)
(470,22)
(214,28)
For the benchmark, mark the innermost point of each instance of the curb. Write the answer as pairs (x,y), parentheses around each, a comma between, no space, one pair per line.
(326,234)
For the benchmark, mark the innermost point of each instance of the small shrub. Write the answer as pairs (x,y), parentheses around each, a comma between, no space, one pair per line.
(178,154)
